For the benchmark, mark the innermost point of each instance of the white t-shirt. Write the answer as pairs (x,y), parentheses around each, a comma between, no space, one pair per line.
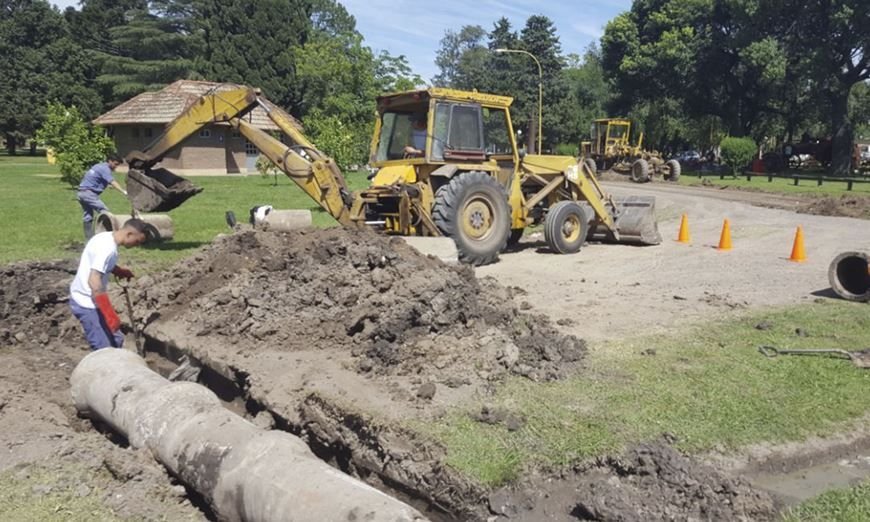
(101,254)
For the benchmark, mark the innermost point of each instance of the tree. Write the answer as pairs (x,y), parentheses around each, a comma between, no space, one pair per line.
(461,58)
(255,42)
(838,60)
(39,62)
(77,145)
(156,47)
(393,73)
(539,38)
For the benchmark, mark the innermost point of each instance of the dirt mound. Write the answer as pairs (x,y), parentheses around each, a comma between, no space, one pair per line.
(34,303)
(845,205)
(651,481)
(656,482)
(395,310)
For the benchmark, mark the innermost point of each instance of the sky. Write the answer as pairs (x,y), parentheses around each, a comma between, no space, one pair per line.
(414,28)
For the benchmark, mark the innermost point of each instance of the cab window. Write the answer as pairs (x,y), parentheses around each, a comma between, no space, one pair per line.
(458,132)
(395,135)
(495,131)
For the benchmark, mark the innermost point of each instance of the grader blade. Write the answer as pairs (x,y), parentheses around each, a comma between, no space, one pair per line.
(635,219)
(158,190)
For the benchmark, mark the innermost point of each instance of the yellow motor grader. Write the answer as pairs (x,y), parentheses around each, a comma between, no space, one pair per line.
(448,165)
(610,148)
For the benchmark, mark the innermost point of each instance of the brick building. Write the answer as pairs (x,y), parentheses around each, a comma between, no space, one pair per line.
(215,149)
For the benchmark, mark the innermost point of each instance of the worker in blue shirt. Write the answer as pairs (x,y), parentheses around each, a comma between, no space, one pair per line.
(417,140)
(95,181)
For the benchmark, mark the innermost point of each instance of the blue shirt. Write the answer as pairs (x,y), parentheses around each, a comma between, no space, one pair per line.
(418,138)
(97,178)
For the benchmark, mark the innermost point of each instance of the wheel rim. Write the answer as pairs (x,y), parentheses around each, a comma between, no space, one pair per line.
(571,228)
(477,218)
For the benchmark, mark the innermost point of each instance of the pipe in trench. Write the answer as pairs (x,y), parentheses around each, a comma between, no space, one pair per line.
(243,472)
(849,275)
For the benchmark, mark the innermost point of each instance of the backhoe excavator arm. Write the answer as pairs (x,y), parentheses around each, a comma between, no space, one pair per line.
(313,171)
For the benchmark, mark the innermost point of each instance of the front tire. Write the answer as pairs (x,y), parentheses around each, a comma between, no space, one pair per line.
(674,170)
(473,210)
(640,171)
(566,227)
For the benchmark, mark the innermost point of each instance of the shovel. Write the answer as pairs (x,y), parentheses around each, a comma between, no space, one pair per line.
(132,318)
(860,358)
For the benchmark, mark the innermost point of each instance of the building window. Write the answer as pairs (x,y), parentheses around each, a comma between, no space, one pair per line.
(236,134)
(251,149)
(135,132)
(205,133)
(148,132)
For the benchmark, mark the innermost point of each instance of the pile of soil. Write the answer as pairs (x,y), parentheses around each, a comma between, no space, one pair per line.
(656,482)
(651,481)
(396,311)
(845,206)
(49,456)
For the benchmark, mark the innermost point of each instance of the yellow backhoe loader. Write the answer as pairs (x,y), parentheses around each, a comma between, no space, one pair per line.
(448,165)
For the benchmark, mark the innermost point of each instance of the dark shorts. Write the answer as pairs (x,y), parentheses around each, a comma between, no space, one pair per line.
(96,331)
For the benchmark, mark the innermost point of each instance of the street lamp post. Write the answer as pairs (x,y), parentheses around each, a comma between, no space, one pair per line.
(540,89)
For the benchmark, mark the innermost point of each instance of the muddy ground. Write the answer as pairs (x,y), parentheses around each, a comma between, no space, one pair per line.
(351,340)
(60,458)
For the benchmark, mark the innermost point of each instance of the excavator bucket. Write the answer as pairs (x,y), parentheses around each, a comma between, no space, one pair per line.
(158,190)
(635,218)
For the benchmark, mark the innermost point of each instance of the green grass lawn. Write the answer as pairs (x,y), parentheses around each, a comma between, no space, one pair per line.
(779,185)
(840,505)
(706,385)
(42,219)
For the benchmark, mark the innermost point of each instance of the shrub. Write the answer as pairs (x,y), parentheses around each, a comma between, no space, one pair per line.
(76,144)
(566,149)
(738,152)
(266,168)
(346,144)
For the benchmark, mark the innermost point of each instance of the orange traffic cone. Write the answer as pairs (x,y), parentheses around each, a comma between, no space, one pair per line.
(725,238)
(798,254)
(684,230)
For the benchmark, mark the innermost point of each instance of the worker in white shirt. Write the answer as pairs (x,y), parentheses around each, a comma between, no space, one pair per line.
(89,301)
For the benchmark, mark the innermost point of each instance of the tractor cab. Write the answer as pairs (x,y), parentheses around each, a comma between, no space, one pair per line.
(609,137)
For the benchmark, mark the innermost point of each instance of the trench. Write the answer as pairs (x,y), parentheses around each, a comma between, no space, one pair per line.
(436,500)
(811,470)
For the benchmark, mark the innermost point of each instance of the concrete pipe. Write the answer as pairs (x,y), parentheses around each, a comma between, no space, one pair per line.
(849,275)
(285,220)
(160,224)
(243,472)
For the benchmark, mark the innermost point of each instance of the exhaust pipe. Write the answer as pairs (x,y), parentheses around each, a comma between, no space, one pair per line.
(849,275)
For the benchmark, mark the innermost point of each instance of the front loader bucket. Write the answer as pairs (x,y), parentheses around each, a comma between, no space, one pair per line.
(158,190)
(635,218)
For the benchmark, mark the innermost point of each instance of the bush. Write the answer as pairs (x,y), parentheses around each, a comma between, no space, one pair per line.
(738,152)
(566,149)
(347,145)
(76,144)
(266,168)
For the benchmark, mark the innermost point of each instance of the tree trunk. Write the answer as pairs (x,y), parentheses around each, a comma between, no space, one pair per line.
(532,136)
(11,142)
(841,140)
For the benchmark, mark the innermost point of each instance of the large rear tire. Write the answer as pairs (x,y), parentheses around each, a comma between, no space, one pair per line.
(640,171)
(674,170)
(473,210)
(566,227)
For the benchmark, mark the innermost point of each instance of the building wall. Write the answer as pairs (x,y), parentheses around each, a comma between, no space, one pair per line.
(215,149)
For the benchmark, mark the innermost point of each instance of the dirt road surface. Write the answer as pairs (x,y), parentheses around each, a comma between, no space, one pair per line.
(609,291)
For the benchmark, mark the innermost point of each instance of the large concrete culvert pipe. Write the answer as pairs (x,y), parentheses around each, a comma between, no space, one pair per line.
(849,275)
(243,472)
